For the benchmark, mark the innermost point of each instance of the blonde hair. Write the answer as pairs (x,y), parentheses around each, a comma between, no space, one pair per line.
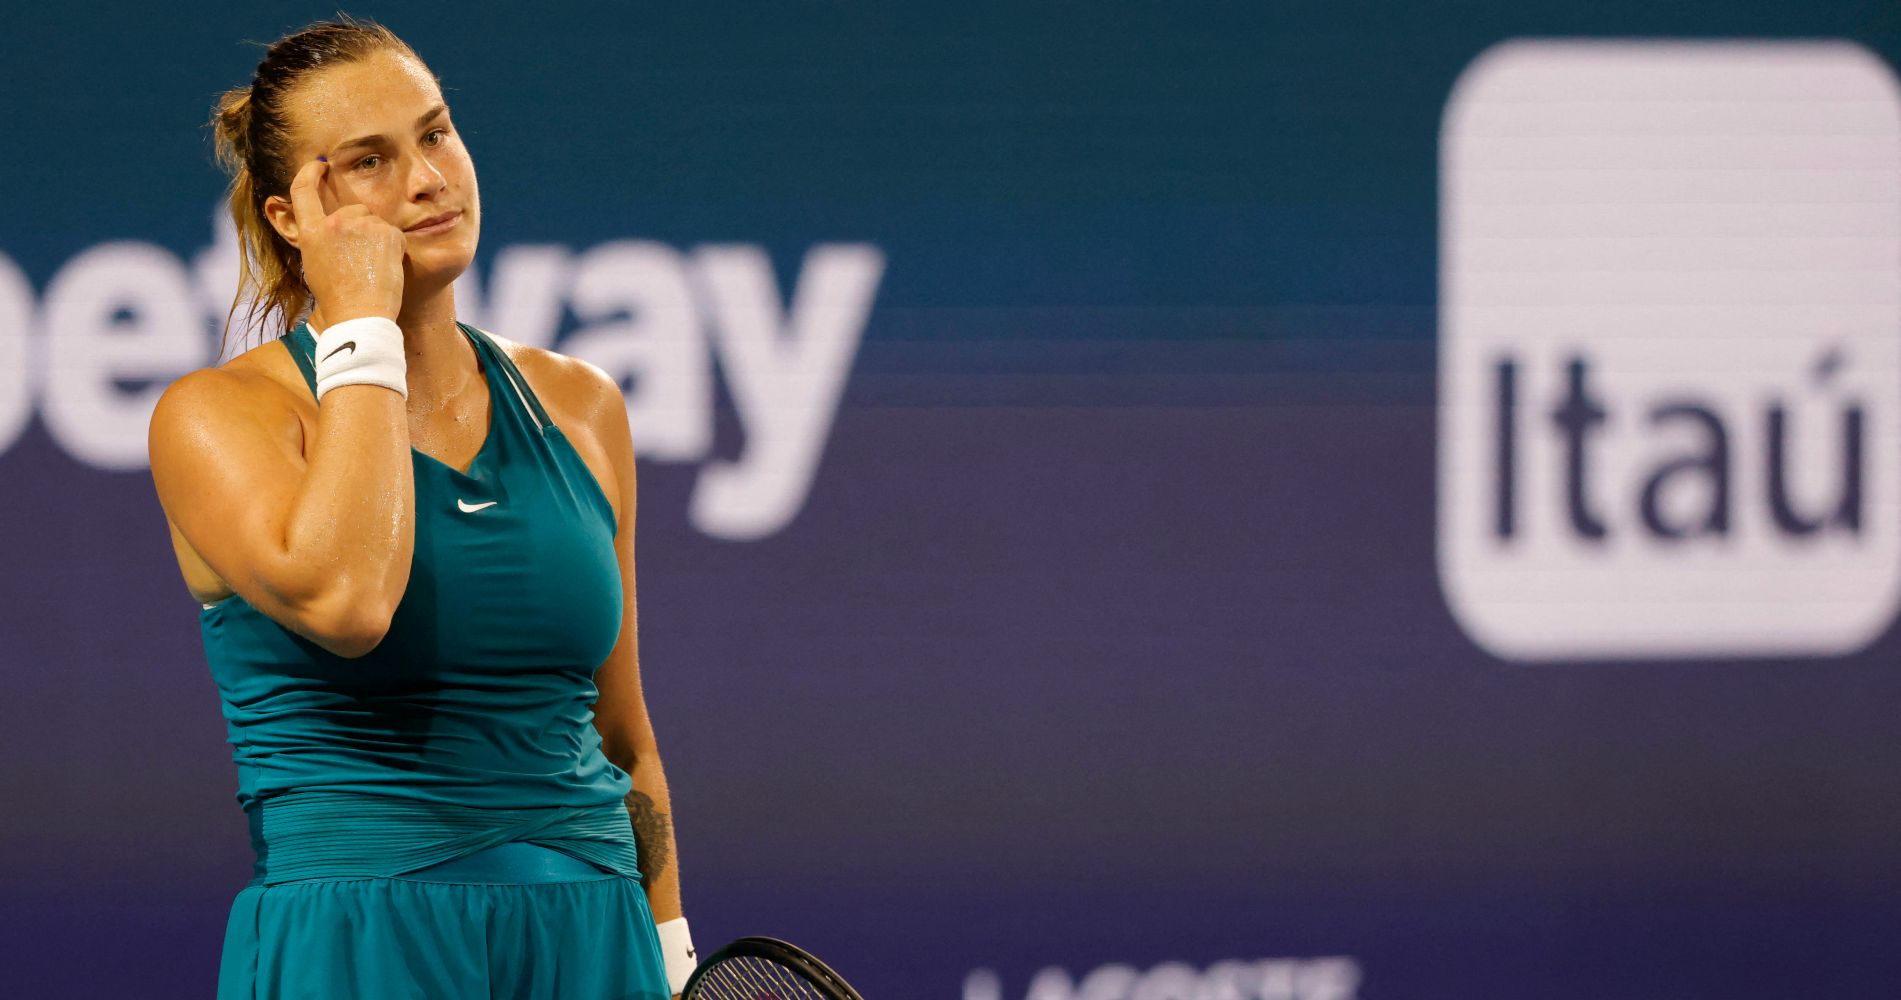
(253,143)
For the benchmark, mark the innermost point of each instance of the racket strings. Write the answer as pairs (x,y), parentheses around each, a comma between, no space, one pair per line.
(751,978)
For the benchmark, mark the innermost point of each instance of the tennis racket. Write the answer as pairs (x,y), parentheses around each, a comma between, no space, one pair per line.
(763,968)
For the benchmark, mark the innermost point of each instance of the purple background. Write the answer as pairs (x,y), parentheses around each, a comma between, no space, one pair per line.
(1110,629)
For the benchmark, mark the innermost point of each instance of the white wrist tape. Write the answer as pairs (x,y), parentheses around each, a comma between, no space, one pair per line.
(367,351)
(676,946)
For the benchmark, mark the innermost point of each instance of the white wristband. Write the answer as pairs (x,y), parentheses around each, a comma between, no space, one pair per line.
(676,946)
(366,351)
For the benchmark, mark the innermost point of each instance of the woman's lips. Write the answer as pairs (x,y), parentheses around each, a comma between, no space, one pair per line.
(432,228)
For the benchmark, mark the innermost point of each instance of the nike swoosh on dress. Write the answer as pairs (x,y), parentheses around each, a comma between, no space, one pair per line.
(469,508)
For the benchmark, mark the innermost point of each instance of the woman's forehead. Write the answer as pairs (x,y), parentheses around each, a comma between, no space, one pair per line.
(382,92)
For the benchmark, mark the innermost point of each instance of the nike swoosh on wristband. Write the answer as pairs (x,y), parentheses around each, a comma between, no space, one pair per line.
(468,508)
(349,345)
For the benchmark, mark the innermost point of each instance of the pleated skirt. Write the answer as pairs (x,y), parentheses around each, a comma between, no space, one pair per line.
(429,936)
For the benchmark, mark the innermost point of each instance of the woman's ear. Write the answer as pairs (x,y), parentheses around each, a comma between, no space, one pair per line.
(277,211)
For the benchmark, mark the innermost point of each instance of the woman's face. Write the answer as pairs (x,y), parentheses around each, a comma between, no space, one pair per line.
(383,125)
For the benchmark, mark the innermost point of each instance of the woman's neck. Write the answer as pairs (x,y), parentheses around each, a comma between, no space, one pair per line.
(440,359)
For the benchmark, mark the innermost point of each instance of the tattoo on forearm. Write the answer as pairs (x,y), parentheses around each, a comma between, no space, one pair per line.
(652,833)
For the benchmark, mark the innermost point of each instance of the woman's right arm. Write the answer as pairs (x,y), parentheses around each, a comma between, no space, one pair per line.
(321,545)
(317,535)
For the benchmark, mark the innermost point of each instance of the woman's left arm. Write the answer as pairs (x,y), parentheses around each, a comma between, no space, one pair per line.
(627,736)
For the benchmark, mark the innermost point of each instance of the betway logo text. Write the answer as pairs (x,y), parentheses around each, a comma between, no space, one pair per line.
(1670,350)
(121,320)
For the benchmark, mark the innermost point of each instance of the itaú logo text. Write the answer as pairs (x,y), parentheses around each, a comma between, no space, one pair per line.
(119,321)
(1688,489)
(1670,350)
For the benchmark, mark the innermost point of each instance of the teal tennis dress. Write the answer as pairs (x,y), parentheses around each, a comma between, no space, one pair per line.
(436,819)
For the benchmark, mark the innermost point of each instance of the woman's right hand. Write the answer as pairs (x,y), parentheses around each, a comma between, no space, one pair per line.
(353,260)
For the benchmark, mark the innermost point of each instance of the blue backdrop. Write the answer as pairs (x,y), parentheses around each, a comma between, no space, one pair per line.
(1095,642)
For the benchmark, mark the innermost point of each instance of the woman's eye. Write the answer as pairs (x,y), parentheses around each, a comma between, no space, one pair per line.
(435,138)
(368,162)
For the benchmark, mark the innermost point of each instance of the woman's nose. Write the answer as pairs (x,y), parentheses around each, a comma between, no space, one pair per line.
(425,179)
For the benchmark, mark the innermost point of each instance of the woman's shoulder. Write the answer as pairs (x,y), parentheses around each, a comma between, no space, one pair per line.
(264,377)
(251,392)
(568,386)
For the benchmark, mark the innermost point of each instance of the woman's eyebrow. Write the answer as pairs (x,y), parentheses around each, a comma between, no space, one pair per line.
(371,140)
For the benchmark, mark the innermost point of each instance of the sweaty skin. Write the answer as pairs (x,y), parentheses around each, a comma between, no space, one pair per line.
(304,510)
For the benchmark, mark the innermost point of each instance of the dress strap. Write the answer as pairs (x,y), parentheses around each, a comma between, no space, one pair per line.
(302,346)
(493,352)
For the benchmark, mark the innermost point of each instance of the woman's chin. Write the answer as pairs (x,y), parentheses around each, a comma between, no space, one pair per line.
(434,271)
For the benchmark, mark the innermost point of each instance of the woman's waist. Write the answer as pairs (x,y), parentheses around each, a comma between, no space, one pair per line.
(335,834)
(514,863)
(501,777)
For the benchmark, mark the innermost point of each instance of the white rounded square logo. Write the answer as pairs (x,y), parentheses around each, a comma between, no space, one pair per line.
(1670,349)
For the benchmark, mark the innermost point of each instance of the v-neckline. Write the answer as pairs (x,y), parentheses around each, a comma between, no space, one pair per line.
(488,437)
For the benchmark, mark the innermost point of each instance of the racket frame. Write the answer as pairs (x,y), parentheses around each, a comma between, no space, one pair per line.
(783,952)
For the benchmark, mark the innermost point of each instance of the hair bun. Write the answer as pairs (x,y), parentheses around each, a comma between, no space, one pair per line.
(231,123)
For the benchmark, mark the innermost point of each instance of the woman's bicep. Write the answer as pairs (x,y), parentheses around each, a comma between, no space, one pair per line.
(226,475)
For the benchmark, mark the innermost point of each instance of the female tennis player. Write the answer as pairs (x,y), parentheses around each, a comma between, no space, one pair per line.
(414,546)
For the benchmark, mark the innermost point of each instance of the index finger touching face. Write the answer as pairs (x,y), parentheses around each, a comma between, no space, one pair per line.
(305,203)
